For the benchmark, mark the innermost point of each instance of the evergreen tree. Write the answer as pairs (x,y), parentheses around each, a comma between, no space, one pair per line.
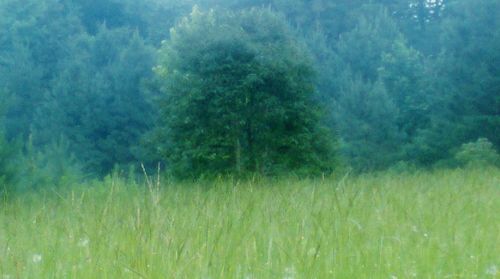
(8,153)
(420,21)
(380,101)
(464,82)
(402,71)
(366,118)
(361,48)
(97,101)
(8,173)
(33,39)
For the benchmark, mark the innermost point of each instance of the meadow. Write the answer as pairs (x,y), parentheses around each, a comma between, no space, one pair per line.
(440,224)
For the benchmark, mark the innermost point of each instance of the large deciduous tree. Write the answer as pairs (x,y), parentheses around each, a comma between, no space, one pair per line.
(239,97)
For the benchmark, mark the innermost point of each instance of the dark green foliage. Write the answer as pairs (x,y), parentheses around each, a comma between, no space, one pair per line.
(402,82)
(239,98)
(33,37)
(367,120)
(379,100)
(479,154)
(402,72)
(26,168)
(465,82)
(51,166)
(8,153)
(473,63)
(361,48)
(150,18)
(94,13)
(97,101)
(8,166)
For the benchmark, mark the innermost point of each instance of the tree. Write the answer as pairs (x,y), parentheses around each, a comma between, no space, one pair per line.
(238,96)
(420,21)
(366,118)
(465,81)
(94,13)
(33,39)
(380,101)
(471,60)
(402,71)
(8,154)
(361,48)
(97,101)
(7,167)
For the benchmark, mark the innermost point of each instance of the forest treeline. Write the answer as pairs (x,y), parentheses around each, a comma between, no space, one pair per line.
(401,83)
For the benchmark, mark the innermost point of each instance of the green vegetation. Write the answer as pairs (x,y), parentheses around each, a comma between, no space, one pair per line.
(415,225)
(251,86)
(239,97)
(479,154)
(8,154)
(265,105)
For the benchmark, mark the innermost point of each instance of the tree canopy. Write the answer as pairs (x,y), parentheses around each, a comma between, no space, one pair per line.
(252,86)
(239,96)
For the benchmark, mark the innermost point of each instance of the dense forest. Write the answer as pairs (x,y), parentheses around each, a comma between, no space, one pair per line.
(270,86)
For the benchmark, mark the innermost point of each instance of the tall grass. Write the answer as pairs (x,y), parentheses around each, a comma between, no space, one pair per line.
(424,225)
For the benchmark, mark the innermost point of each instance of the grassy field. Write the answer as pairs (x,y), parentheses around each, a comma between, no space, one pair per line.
(443,224)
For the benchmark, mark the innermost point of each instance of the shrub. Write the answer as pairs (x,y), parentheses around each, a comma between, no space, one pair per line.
(479,153)
(50,166)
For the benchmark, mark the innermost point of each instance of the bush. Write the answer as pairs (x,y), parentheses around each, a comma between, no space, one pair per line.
(403,167)
(50,166)
(478,154)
